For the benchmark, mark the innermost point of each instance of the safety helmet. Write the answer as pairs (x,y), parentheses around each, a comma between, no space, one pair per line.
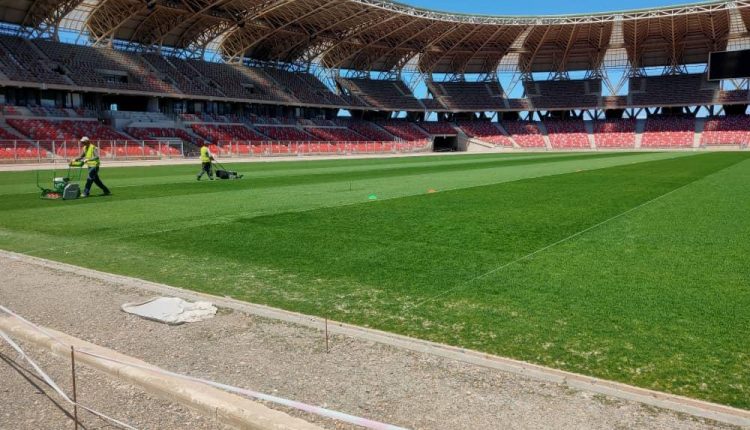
(84,139)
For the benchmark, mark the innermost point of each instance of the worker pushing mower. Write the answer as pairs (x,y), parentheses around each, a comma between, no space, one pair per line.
(207,162)
(68,187)
(90,156)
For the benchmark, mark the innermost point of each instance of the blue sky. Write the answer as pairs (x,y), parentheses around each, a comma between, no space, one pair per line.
(537,7)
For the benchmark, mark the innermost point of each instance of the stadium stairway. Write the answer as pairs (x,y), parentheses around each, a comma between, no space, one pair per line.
(189,147)
(640,126)
(476,145)
(506,134)
(10,130)
(699,124)
(545,137)
(41,54)
(159,74)
(589,126)
(376,125)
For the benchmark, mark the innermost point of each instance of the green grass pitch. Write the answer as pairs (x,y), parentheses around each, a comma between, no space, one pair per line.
(626,266)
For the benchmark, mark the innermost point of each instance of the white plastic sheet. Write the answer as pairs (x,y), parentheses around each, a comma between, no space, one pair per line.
(171,310)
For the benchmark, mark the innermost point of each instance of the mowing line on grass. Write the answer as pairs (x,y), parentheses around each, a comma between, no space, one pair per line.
(531,254)
(219,220)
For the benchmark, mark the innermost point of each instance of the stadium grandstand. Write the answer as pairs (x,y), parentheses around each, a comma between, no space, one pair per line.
(349,72)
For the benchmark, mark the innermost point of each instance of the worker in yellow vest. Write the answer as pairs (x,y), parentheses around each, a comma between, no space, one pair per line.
(206,159)
(90,156)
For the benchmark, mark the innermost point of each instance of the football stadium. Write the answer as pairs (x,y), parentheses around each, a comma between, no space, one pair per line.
(346,214)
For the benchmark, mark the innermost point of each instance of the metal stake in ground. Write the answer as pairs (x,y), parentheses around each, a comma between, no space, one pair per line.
(327,336)
(75,398)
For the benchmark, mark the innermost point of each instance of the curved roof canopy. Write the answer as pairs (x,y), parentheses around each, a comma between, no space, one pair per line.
(381,35)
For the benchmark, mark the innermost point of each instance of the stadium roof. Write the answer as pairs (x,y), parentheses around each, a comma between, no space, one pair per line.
(379,35)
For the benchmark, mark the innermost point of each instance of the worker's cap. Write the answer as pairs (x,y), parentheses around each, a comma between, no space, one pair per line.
(84,139)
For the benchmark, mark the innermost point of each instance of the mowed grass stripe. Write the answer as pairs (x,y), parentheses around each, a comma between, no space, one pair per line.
(281,168)
(658,298)
(116,217)
(18,182)
(428,243)
(149,190)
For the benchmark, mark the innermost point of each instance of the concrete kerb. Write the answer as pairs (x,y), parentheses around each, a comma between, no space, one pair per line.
(694,407)
(216,404)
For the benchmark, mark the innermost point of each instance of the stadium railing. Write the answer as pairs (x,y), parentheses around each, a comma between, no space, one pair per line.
(40,151)
(239,148)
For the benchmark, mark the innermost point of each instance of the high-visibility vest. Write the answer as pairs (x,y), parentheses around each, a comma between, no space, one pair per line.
(92,155)
(205,155)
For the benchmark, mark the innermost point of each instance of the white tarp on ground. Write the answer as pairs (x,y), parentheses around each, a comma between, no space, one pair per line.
(171,310)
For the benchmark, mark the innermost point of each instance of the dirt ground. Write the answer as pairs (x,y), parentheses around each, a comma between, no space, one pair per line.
(375,381)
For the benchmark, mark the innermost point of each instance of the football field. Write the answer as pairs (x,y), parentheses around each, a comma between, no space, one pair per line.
(625,266)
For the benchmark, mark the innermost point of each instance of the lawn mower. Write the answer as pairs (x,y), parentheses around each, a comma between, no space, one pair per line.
(223,173)
(64,187)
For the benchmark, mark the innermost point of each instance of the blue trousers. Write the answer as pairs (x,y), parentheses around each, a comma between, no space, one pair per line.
(93,178)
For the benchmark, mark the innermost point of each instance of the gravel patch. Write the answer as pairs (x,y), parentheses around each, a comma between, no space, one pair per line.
(384,383)
(27,402)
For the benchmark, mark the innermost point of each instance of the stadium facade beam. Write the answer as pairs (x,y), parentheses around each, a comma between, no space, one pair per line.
(239,50)
(368,40)
(490,67)
(429,58)
(687,31)
(110,16)
(44,16)
(315,49)
(373,19)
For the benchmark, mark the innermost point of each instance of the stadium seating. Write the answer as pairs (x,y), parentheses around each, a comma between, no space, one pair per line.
(168,134)
(672,90)
(564,93)
(614,133)
(567,134)
(216,133)
(437,128)
(728,130)
(286,134)
(382,94)
(305,87)
(368,130)
(210,118)
(103,67)
(266,85)
(59,112)
(44,129)
(404,130)
(14,148)
(519,104)
(432,104)
(323,122)
(19,61)
(487,132)
(732,96)
(63,136)
(184,77)
(614,102)
(468,95)
(335,134)
(231,80)
(525,133)
(668,132)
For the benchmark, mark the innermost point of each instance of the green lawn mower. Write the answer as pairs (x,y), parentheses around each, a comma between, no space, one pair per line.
(223,173)
(66,187)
